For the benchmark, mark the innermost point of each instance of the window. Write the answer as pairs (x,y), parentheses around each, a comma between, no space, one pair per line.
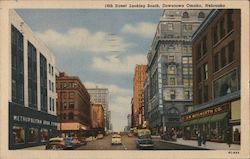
(201,15)
(205,67)
(222,29)
(170,58)
(215,34)
(64,116)
(226,84)
(185,82)
(172,94)
(33,135)
(71,116)
(52,70)
(205,94)
(18,134)
(186,94)
(14,94)
(185,15)
(71,95)
(71,105)
(172,81)
(49,85)
(199,75)
(231,51)
(64,105)
(53,104)
(230,23)
(184,60)
(171,70)
(52,86)
(49,68)
(50,105)
(216,62)
(44,135)
(204,46)
(223,58)
(185,70)
(170,26)
(198,50)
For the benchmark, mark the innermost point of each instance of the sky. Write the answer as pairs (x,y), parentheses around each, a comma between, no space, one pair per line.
(100,46)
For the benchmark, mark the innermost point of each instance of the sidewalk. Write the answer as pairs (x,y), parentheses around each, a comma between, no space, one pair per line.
(209,145)
(42,147)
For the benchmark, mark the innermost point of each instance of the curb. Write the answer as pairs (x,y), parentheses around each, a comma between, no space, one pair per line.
(185,145)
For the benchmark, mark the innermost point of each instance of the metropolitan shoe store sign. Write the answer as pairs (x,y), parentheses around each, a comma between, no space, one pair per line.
(25,119)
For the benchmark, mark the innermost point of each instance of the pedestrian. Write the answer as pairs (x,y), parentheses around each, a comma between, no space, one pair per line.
(204,138)
(199,138)
(228,137)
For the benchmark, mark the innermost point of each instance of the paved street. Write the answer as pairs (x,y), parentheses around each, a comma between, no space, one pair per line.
(128,143)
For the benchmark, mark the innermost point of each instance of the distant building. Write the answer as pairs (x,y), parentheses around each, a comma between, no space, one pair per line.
(216,55)
(138,95)
(101,95)
(73,105)
(97,118)
(31,82)
(129,120)
(169,68)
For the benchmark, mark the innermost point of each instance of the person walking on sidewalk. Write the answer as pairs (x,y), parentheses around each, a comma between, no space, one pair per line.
(199,138)
(204,138)
(228,137)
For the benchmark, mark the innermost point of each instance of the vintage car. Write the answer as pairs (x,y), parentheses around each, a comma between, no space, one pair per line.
(59,143)
(116,139)
(144,140)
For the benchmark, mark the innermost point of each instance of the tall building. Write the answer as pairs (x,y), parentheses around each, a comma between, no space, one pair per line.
(101,95)
(138,95)
(169,68)
(216,54)
(97,118)
(73,106)
(31,81)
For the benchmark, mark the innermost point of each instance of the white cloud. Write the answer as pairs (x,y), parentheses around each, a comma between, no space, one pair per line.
(113,89)
(81,39)
(143,29)
(115,65)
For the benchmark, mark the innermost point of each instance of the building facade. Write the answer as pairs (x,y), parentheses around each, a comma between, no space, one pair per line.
(216,54)
(73,106)
(169,68)
(101,95)
(97,118)
(32,95)
(138,95)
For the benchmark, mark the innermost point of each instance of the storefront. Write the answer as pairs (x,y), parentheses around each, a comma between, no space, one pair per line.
(213,121)
(29,127)
(235,121)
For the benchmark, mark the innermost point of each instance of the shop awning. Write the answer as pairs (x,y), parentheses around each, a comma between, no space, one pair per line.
(195,121)
(204,120)
(218,117)
(185,123)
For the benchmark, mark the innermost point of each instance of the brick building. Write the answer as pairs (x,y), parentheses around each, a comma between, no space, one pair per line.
(73,106)
(138,95)
(216,86)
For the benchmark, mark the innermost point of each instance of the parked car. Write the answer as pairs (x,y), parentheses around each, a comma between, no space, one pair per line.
(116,139)
(59,143)
(99,136)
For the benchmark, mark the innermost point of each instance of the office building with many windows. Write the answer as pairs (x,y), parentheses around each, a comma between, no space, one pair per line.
(32,95)
(169,69)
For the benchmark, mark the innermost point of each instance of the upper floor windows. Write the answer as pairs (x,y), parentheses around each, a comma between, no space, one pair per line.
(201,15)
(201,48)
(185,15)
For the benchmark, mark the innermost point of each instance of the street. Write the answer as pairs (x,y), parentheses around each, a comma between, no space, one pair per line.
(128,143)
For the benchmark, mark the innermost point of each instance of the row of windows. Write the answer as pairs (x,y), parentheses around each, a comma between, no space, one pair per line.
(201,48)
(224,57)
(221,27)
(34,135)
(68,105)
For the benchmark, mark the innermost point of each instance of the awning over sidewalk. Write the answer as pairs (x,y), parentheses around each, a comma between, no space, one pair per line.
(218,117)
(208,119)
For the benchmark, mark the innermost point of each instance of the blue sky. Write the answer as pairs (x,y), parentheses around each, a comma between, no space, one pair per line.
(100,46)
